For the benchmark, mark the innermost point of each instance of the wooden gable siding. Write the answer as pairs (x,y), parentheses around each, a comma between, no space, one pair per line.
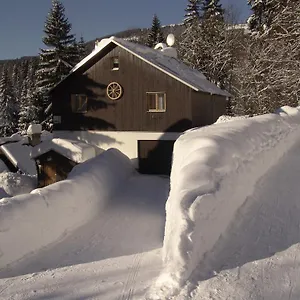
(130,112)
(207,108)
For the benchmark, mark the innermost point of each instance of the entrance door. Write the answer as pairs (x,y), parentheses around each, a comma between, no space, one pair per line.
(155,157)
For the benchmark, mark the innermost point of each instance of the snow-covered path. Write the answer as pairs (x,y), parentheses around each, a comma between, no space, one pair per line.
(118,255)
(259,256)
(114,256)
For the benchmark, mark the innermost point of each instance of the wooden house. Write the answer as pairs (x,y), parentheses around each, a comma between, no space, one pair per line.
(136,99)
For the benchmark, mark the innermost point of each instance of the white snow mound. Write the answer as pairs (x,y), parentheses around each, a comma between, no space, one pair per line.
(34,129)
(16,184)
(215,169)
(33,221)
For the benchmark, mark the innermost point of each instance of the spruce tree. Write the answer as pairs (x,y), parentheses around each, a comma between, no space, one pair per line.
(16,80)
(212,8)
(155,35)
(192,12)
(206,45)
(8,106)
(264,12)
(29,108)
(60,55)
(82,51)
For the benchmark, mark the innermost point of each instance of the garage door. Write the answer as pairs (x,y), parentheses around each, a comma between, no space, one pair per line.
(155,157)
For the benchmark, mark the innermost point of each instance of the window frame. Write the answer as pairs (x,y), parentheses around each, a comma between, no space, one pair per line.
(113,68)
(73,106)
(56,119)
(156,110)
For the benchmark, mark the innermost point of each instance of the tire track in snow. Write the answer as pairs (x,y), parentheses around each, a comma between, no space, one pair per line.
(128,290)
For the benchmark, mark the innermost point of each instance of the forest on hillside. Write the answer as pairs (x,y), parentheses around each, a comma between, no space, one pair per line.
(258,63)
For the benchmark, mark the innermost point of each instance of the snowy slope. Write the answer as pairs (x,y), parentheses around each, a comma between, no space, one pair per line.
(258,257)
(114,256)
(232,225)
(215,169)
(49,214)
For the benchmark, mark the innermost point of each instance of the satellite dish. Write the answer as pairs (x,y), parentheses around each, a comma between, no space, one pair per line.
(170,40)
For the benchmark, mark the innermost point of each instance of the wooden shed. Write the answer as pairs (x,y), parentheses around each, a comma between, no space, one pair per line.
(53,167)
(125,95)
(56,158)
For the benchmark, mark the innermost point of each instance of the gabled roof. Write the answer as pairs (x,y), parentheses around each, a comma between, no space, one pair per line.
(169,65)
(74,150)
(18,154)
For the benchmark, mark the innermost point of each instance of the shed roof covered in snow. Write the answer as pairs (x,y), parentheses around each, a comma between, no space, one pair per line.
(169,65)
(74,150)
(18,154)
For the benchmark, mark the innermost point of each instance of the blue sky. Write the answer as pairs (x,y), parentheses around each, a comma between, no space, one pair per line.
(22,21)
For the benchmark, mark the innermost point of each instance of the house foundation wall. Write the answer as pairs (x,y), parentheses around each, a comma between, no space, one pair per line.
(124,141)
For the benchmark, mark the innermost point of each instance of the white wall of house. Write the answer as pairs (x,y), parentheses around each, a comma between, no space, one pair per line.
(125,141)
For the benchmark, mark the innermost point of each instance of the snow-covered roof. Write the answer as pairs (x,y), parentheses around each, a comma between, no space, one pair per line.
(169,65)
(19,155)
(9,139)
(73,150)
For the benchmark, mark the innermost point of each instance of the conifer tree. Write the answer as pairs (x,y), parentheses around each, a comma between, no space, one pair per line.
(82,51)
(60,55)
(29,106)
(8,106)
(155,36)
(212,8)
(16,80)
(192,12)
(264,12)
(206,44)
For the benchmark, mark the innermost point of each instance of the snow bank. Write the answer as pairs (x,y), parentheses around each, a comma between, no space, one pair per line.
(16,184)
(215,169)
(226,118)
(30,222)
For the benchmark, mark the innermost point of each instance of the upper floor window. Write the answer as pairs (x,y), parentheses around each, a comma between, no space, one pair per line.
(156,102)
(79,103)
(115,63)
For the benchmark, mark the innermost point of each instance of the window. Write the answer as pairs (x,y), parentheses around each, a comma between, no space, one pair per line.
(156,102)
(115,63)
(57,119)
(79,103)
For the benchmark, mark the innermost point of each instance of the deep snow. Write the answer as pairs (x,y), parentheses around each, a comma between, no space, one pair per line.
(16,184)
(215,169)
(258,257)
(115,255)
(233,206)
(47,215)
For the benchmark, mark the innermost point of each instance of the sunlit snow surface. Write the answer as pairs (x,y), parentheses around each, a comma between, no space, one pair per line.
(232,229)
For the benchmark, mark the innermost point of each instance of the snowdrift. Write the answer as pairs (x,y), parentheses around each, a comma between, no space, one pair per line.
(16,184)
(32,221)
(215,169)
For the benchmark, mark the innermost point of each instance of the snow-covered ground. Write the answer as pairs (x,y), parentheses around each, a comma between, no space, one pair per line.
(232,224)
(115,255)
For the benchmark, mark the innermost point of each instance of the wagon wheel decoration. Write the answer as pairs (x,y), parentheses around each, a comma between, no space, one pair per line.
(114,91)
